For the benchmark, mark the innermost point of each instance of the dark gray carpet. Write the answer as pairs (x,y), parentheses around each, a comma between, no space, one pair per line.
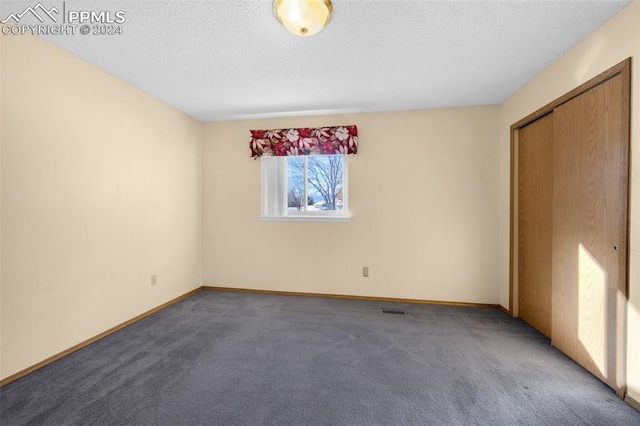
(222,358)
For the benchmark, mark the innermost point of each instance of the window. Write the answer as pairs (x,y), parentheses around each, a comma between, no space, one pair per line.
(304,171)
(310,187)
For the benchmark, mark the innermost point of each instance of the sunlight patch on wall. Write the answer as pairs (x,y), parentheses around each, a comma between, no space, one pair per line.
(583,70)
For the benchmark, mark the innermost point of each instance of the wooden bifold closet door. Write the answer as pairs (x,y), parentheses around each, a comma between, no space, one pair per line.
(572,219)
(535,217)
(590,227)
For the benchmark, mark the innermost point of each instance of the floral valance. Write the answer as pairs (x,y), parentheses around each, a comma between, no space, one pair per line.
(304,141)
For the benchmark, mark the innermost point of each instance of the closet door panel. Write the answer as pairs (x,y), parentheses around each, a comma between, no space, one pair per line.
(535,207)
(564,310)
(589,242)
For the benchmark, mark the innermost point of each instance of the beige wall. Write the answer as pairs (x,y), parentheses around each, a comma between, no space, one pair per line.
(615,41)
(423,194)
(1,38)
(101,188)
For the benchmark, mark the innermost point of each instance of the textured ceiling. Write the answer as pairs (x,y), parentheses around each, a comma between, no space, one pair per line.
(231,59)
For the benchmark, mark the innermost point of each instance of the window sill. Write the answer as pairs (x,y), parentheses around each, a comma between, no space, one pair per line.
(305,218)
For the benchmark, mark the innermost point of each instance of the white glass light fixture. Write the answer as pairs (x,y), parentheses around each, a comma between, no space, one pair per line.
(303,17)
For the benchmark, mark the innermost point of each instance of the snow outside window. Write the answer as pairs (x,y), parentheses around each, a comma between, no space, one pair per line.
(305,188)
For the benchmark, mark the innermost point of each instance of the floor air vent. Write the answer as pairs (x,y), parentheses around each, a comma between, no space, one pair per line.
(393,311)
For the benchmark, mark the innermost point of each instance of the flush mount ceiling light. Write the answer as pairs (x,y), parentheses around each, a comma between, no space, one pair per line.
(303,17)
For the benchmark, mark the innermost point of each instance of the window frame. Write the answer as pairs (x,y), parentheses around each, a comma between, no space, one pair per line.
(275,195)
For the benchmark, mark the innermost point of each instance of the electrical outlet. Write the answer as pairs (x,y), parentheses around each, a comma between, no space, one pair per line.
(365,271)
(154,279)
